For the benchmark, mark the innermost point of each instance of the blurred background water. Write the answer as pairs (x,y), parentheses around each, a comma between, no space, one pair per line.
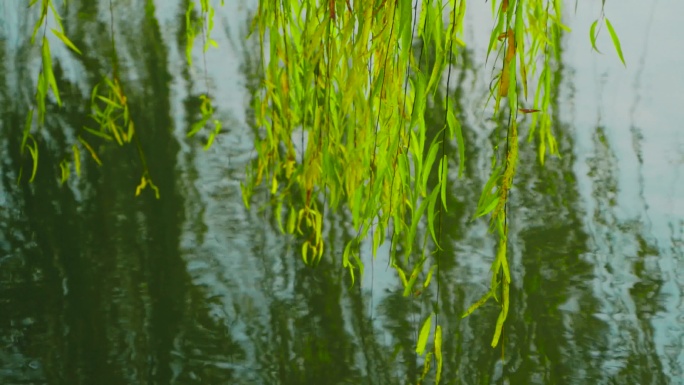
(98,286)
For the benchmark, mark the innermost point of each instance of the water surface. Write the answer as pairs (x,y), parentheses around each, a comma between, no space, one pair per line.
(100,286)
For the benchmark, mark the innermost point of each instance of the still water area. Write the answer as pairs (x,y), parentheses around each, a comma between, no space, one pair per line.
(98,286)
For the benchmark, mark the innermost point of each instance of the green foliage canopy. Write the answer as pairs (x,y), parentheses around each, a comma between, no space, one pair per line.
(340,120)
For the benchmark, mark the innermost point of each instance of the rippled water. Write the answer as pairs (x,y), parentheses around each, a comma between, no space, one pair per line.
(100,287)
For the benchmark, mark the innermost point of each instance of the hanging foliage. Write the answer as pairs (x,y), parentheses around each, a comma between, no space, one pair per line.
(340,120)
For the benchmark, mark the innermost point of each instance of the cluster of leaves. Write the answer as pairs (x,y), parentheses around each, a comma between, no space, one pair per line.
(341,121)
(109,108)
(46,79)
(593,33)
(519,22)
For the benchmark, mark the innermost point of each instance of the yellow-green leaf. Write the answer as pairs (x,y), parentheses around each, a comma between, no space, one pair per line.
(592,35)
(109,101)
(432,154)
(64,166)
(90,150)
(477,304)
(443,179)
(414,276)
(429,276)
(616,41)
(47,70)
(292,218)
(27,130)
(431,216)
(423,336)
(66,40)
(98,133)
(305,247)
(34,154)
(438,353)
(77,159)
(455,128)
(502,316)
(402,275)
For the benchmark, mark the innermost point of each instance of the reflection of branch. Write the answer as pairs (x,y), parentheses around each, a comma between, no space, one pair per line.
(205,23)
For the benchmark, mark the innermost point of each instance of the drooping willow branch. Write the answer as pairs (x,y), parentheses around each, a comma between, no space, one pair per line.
(335,77)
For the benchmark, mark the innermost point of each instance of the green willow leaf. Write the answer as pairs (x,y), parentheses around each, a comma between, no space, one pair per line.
(443,179)
(616,41)
(426,367)
(90,150)
(419,99)
(432,200)
(402,275)
(64,167)
(488,208)
(77,159)
(291,220)
(455,128)
(429,276)
(346,263)
(502,316)
(279,215)
(109,101)
(414,276)
(33,149)
(305,247)
(592,35)
(47,70)
(405,29)
(27,130)
(438,353)
(477,304)
(423,336)
(499,328)
(98,133)
(415,220)
(38,23)
(501,255)
(65,40)
(429,160)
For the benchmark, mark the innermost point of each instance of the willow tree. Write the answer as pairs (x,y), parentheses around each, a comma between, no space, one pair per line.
(340,124)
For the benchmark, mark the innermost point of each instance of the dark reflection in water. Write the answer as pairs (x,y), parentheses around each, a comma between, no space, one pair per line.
(98,286)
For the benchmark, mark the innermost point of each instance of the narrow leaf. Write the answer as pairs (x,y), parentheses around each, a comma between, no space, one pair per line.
(477,304)
(27,130)
(424,334)
(429,276)
(402,275)
(77,159)
(438,353)
(592,36)
(98,133)
(66,40)
(443,167)
(90,150)
(616,41)
(34,154)
(427,166)
(47,70)
(414,276)
(455,128)
(431,215)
